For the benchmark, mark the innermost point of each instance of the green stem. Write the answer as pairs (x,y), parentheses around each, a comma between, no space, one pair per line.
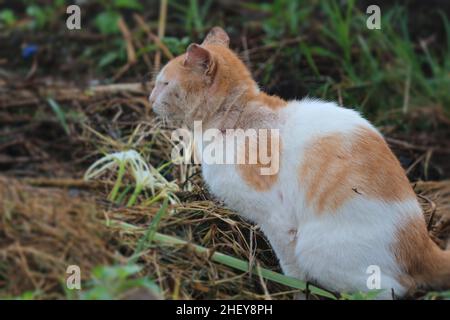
(135,194)
(155,198)
(123,194)
(149,235)
(118,183)
(244,266)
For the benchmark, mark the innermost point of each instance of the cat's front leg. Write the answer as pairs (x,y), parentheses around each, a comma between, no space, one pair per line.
(283,244)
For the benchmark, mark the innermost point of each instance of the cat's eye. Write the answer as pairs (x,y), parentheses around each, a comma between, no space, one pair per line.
(165,83)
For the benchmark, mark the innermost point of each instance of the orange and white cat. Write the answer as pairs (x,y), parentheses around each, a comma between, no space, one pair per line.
(340,201)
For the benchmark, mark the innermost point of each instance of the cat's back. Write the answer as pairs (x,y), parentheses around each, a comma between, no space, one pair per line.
(337,156)
(309,118)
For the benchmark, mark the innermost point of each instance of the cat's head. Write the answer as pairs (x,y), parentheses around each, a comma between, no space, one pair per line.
(193,85)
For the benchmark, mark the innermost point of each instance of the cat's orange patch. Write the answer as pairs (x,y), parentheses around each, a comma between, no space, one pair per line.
(339,167)
(228,71)
(172,69)
(251,173)
(273,102)
(423,263)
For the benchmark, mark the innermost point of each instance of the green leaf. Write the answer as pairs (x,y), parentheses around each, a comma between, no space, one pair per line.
(106,22)
(108,58)
(7,17)
(369,295)
(445,295)
(39,14)
(128,4)
(110,282)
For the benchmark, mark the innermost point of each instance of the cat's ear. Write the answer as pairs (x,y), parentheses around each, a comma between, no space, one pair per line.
(198,58)
(217,36)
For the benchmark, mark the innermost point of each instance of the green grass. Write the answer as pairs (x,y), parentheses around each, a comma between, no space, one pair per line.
(60,115)
(371,70)
(338,58)
(149,236)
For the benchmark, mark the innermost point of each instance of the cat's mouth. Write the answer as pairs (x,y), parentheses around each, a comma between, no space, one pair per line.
(164,111)
(161,108)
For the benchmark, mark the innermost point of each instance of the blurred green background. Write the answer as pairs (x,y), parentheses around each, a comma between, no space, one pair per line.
(294,48)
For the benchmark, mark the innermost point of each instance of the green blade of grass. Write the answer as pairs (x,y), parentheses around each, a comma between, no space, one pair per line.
(59,114)
(135,194)
(244,266)
(123,194)
(117,184)
(149,235)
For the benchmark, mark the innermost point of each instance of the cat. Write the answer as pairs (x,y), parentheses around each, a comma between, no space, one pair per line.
(340,201)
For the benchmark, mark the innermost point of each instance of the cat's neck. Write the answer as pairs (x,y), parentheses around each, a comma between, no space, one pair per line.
(263,99)
(242,110)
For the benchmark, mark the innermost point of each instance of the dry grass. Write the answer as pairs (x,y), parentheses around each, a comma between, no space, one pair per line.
(434,197)
(45,229)
(42,231)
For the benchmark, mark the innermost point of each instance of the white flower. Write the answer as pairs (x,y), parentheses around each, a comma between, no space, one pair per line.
(144,174)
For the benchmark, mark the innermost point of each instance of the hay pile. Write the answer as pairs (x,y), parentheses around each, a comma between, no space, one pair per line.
(434,197)
(45,229)
(42,232)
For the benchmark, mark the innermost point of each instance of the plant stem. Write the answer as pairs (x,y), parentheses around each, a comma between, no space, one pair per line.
(234,262)
(118,183)
(149,235)
(134,196)
(155,198)
(244,266)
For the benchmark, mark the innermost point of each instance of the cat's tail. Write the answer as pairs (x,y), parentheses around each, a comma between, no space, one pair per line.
(426,265)
(439,275)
